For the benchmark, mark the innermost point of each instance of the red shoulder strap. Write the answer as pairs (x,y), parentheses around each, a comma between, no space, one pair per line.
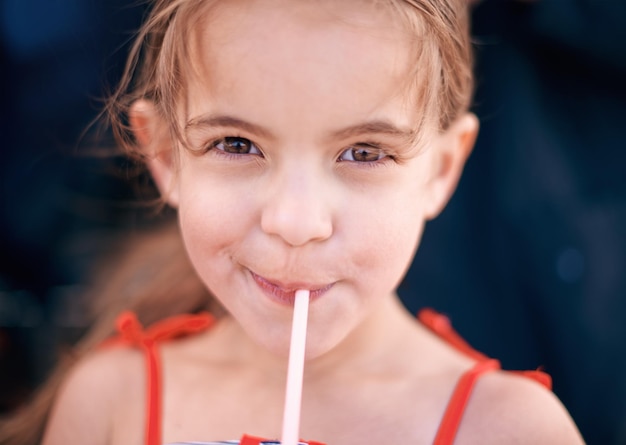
(456,406)
(440,325)
(131,332)
(543,378)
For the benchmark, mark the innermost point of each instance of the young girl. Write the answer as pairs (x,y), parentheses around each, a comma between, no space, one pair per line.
(304,145)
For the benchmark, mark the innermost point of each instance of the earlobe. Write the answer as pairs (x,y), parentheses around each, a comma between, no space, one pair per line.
(155,145)
(454,147)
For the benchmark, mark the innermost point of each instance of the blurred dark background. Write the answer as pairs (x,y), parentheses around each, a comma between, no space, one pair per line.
(528,260)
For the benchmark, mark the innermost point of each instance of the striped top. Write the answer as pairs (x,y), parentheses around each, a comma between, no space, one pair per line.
(245,440)
(231,442)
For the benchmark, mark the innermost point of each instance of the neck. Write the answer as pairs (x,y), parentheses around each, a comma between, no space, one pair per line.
(371,348)
(368,349)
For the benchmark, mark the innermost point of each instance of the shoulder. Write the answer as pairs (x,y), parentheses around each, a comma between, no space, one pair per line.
(509,408)
(89,398)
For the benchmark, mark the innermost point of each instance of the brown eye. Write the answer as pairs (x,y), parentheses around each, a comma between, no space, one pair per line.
(235,145)
(362,154)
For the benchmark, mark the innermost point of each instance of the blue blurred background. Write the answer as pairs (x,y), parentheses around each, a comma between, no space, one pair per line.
(528,260)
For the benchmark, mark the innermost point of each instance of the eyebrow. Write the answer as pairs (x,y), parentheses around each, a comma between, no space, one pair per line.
(376,127)
(227,121)
(369,127)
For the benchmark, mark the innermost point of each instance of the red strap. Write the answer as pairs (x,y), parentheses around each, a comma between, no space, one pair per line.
(250,440)
(132,333)
(543,378)
(456,406)
(440,325)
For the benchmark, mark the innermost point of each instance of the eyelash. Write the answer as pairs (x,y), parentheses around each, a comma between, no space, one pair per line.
(373,146)
(213,146)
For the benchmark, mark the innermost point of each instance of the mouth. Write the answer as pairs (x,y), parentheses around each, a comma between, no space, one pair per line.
(285,293)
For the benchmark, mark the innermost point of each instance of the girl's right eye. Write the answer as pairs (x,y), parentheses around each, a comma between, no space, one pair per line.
(236,146)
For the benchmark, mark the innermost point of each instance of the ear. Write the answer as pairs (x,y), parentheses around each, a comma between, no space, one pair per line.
(453,147)
(149,129)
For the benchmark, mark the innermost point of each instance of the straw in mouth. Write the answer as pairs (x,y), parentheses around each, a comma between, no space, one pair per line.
(295,370)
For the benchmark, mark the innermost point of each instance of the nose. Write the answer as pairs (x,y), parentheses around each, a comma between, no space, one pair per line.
(297,207)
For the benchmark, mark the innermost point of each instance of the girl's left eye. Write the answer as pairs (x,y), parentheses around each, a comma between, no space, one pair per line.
(362,154)
(236,146)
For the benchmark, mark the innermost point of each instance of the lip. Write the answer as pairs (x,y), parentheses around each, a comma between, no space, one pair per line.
(285,293)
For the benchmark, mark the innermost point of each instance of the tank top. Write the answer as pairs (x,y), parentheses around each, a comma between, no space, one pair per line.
(132,334)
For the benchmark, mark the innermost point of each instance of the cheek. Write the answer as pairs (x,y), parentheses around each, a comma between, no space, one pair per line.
(385,231)
(214,221)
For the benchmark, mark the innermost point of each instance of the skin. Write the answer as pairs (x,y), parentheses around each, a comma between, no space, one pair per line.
(297,212)
(321,195)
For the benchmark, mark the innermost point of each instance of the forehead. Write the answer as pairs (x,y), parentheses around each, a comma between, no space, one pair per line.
(281,57)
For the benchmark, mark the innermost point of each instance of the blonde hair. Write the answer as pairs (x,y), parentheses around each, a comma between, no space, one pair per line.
(156,70)
(157,63)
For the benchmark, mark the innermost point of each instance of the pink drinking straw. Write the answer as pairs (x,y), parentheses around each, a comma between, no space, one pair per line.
(293,396)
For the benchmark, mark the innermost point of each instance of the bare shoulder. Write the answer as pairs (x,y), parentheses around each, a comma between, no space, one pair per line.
(509,408)
(90,396)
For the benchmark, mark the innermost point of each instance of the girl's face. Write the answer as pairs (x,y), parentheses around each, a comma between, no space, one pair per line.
(308,175)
